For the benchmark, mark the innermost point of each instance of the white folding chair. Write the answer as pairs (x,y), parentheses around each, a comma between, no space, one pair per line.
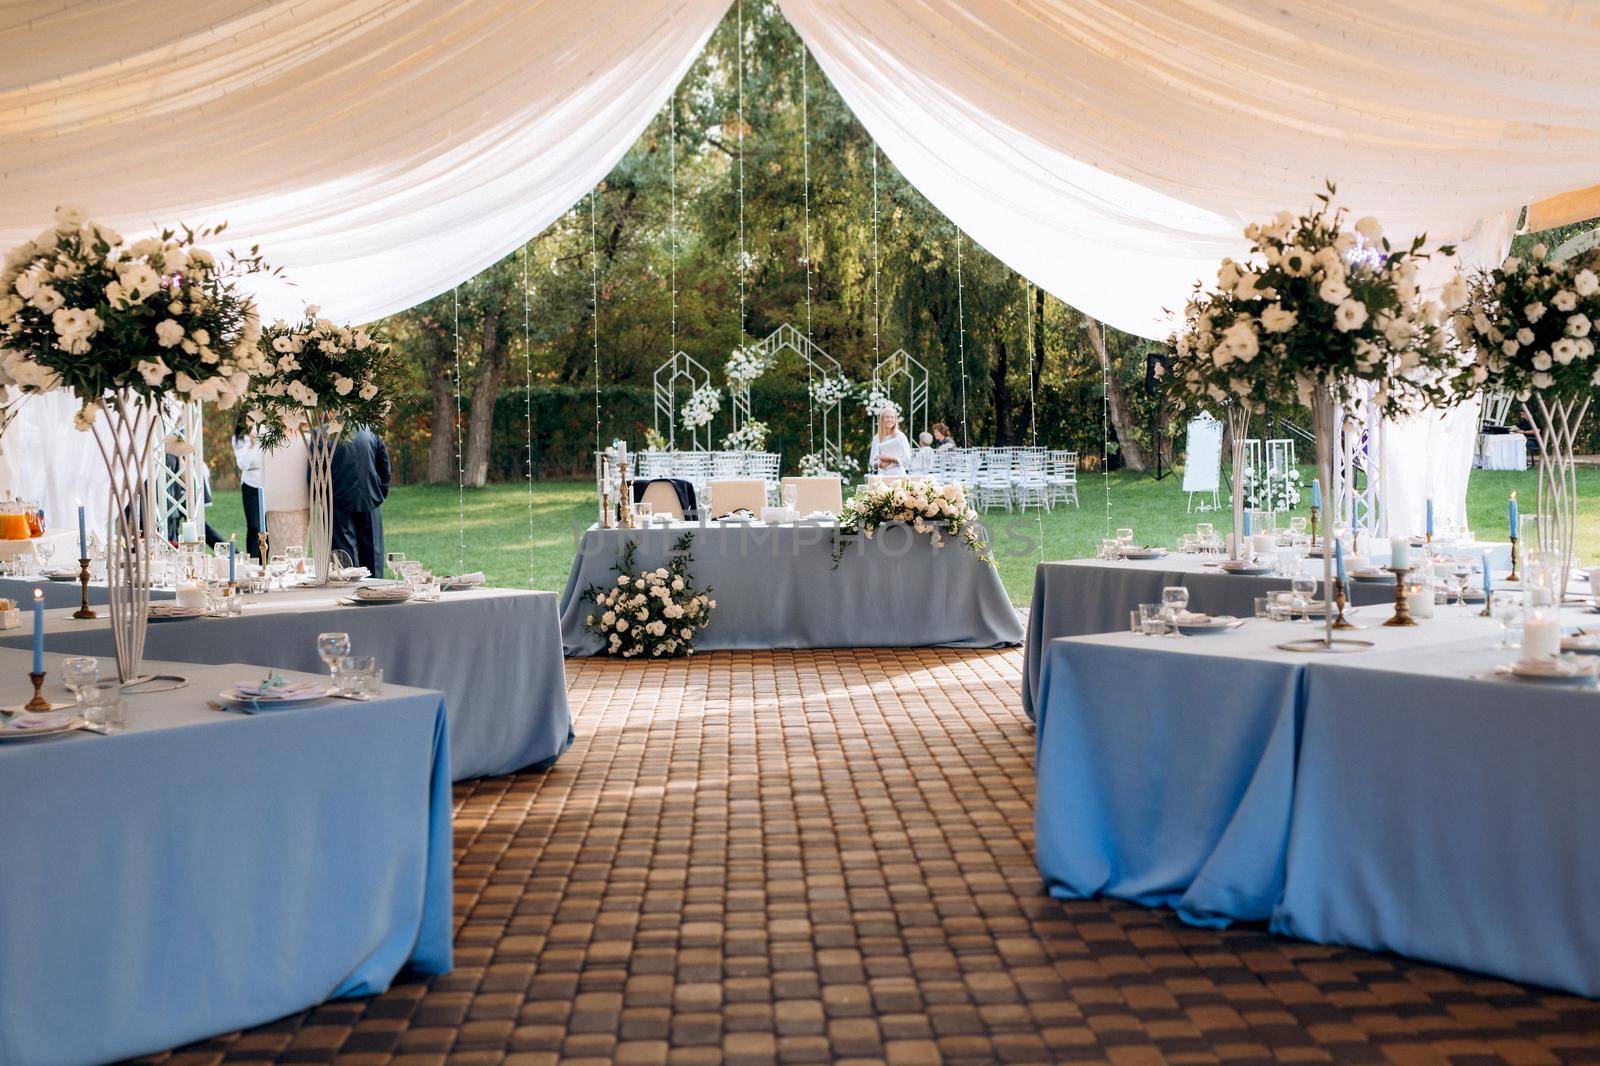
(1032,487)
(1061,477)
(994,479)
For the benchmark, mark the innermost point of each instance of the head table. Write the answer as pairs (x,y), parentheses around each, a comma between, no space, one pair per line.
(1081,596)
(62,593)
(1404,798)
(207,870)
(494,653)
(778,587)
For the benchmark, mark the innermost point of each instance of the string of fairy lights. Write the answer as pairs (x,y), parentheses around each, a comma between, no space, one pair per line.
(461,469)
(527,408)
(805,172)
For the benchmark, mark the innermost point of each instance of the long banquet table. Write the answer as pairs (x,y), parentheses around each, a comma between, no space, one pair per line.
(62,593)
(206,871)
(777,587)
(494,653)
(1399,799)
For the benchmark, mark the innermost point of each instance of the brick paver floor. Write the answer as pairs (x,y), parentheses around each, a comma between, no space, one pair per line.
(826,856)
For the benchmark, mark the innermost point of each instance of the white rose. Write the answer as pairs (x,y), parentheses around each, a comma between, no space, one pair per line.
(1541,361)
(47,299)
(342,385)
(1524,335)
(1577,326)
(169,333)
(1512,264)
(1369,228)
(1534,311)
(84,419)
(1543,381)
(1510,347)
(1455,292)
(1334,290)
(153,370)
(1586,283)
(368,391)
(1540,250)
(1565,300)
(183,383)
(1349,315)
(1564,351)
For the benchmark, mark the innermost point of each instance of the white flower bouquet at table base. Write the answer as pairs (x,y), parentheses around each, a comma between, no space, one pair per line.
(651,614)
(926,507)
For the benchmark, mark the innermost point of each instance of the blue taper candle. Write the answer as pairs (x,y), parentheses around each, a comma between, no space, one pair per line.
(1430,516)
(1316,493)
(38,631)
(83,535)
(1511,516)
(1488,580)
(1338,558)
(233,551)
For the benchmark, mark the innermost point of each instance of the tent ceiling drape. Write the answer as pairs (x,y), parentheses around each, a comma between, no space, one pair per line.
(384,150)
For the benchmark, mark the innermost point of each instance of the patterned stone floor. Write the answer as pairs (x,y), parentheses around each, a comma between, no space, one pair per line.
(814,857)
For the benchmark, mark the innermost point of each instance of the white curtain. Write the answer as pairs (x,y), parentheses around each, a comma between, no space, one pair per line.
(43,458)
(1111,150)
(380,151)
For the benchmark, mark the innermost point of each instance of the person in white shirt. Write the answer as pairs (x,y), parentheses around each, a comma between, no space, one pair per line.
(247,454)
(891,452)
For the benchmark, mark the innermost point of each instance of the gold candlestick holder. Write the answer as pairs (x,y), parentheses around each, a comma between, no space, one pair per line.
(38,703)
(84,611)
(1513,575)
(1402,609)
(1339,601)
(1488,605)
(1314,510)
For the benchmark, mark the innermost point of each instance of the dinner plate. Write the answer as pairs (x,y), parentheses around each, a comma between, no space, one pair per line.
(1222,623)
(357,601)
(25,726)
(232,698)
(1247,571)
(168,612)
(1556,671)
(1582,643)
(66,575)
(1372,576)
(1144,553)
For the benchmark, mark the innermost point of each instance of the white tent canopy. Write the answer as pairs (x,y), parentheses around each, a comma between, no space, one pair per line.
(383,151)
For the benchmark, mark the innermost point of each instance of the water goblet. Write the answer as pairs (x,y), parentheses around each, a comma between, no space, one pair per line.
(1508,612)
(791,496)
(78,673)
(1125,537)
(1174,602)
(45,549)
(395,560)
(1304,589)
(1297,526)
(331,647)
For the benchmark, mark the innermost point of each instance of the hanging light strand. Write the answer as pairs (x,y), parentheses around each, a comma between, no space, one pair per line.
(527,409)
(1033,413)
(672,214)
(805,171)
(461,470)
(876,321)
(594,297)
(1105,420)
(961,335)
(739,28)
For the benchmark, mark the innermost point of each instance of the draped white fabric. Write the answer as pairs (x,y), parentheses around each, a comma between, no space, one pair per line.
(380,151)
(1111,150)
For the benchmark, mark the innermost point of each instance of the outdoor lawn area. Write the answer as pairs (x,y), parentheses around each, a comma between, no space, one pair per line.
(528,540)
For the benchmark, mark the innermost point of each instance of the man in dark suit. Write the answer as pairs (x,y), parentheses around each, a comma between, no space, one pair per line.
(360,485)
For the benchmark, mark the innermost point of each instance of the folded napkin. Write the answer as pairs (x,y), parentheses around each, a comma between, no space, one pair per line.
(1192,618)
(351,573)
(383,592)
(277,687)
(477,577)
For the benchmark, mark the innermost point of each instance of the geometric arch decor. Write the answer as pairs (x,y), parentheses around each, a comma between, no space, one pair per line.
(685,368)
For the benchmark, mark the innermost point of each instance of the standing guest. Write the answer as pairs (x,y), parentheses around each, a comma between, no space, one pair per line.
(360,485)
(891,452)
(247,453)
(941,436)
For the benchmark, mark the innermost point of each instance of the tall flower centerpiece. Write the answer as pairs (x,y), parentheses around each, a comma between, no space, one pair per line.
(1529,328)
(126,327)
(320,380)
(1319,315)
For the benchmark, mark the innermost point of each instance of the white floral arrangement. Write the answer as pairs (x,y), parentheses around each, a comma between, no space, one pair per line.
(750,437)
(1264,492)
(745,365)
(318,369)
(876,401)
(1529,326)
(1318,304)
(81,310)
(650,614)
(828,390)
(815,464)
(701,407)
(929,508)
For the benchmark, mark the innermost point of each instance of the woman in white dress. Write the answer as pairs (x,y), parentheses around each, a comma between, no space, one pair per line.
(891,452)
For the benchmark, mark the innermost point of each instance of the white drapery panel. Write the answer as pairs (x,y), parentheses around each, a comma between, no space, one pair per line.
(1111,150)
(380,151)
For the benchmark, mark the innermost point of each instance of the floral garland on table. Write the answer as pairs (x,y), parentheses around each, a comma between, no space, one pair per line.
(81,310)
(653,613)
(1319,304)
(1529,326)
(828,390)
(815,464)
(930,509)
(744,365)
(315,367)
(701,407)
(750,437)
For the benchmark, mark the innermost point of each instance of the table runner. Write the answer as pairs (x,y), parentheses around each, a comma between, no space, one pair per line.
(777,587)
(494,653)
(210,871)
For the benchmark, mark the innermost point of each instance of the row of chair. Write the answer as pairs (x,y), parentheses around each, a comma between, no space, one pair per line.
(721,496)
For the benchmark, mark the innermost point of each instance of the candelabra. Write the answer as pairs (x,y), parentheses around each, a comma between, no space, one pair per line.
(1339,601)
(1513,575)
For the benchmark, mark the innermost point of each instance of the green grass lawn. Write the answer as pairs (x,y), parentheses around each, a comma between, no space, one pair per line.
(528,541)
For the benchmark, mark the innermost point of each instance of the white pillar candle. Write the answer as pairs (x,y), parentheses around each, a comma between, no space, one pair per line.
(1420,602)
(1541,635)
(191,594)
(1400,553)
(1263,543)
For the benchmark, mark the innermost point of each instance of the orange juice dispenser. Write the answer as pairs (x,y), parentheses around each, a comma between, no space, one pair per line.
(14,520)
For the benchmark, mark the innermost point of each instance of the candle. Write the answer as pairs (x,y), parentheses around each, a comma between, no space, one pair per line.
(1511,516)
(1316,493)
(1541,634)
(1400,553)
(1247,523)
(261,516)
(1430,516)
(1338,558)
(232,556)
(1488,580)
(83,535)
(38,631)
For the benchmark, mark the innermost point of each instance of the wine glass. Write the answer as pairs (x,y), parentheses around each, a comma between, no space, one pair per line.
(395,561)
(1174,601)
(296,554)
(1125,537)
(78,673)
(278,567)
(1304,587)
(1508,612)
(45,549)
(791,496)
(331,647)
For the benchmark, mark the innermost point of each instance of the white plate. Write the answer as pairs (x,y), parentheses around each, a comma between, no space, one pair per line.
(1222,623)
(1372,576)
(65,575)
(1554,671)
(1582,643)
(357,601)
(231,698)
(1144,553)
(1246,571)
(166,612)
(12,730)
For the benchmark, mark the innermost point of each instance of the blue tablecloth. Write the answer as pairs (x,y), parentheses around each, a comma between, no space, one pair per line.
(494,653)
(208,871)
(1448,818)
(777,587)
(1083,596)
(1165,772)
(62,593)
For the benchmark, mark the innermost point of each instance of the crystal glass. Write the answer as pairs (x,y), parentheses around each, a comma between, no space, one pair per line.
(351,673)
(1263,605)
(1151,624)
(1134,624)
(1205,530)
(1174,598)
(1109,549)
(1297,525)
(296,554)
(1188,543)
(1281,607)
(105,707)
(78,673)
(1508,612)
(45,549)
(645,511)
(331,647)
(1304,589)
(1125,536)
(791,496)
(278,566)
(394,559)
